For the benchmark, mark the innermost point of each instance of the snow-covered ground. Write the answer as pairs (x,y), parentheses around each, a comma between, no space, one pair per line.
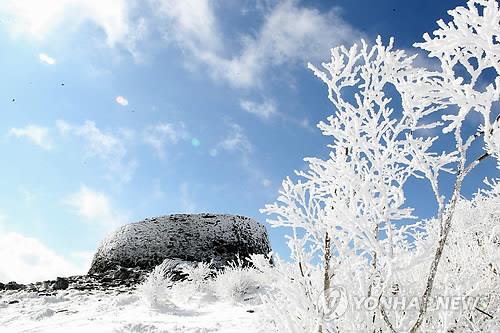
(205,300)
(101,312)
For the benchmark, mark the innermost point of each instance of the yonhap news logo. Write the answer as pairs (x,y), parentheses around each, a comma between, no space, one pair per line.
(334,302)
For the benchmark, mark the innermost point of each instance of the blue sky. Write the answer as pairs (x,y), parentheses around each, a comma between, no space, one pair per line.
(113,111)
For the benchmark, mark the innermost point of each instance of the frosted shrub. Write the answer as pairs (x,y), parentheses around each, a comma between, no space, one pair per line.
(237,283)
(291,305)
(155,290)
(198,274)
(352,230)
(196,283)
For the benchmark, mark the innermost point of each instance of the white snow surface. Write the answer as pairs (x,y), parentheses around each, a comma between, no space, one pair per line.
(101,312)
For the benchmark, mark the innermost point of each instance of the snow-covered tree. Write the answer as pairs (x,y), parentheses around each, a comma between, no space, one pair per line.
(350,224)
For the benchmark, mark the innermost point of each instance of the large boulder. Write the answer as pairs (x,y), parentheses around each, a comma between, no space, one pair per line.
(191,237)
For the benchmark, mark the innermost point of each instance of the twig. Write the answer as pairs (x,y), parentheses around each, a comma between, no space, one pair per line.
(327,256)
(483,312)
(442,241)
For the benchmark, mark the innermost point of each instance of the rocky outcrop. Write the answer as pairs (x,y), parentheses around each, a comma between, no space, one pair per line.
(13,286)
(190,237)
(61,283)
(120,279)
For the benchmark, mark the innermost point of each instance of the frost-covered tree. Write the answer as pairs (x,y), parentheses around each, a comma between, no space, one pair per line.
(349,221)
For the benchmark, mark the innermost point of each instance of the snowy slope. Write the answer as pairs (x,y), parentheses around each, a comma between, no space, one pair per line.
(121,312)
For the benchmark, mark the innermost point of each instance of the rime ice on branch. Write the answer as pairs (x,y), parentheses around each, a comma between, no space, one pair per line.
(354,201)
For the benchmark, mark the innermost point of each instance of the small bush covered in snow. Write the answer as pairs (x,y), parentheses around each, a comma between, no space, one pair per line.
(155,289)
(198,274)
(237,282)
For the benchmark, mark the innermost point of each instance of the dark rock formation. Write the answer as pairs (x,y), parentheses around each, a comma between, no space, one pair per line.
(14,286)
(61,284)
(190,237)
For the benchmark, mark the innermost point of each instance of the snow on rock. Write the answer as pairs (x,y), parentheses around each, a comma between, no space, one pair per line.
(190,237)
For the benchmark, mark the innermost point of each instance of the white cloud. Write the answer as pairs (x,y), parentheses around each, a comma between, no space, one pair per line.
(289,35)
(236,140)
(191,23)
(158,136)
(113,18)
(94,206)
(264,110)
(46,59)
(105,146)
(121,100)
(267,109)
(26,259)
(63,126)
(39,18)
(99,144)
(37,134)
(90,204)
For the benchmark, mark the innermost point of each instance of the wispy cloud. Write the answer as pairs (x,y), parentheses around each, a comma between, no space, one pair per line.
(300,122)
(290,34)
(236,140)
(190,23)
(160,135)
(46,59)
(121,100)
(100,144)
(107,147)
(95,207)
(264,110)
(36,134)
(267,110)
